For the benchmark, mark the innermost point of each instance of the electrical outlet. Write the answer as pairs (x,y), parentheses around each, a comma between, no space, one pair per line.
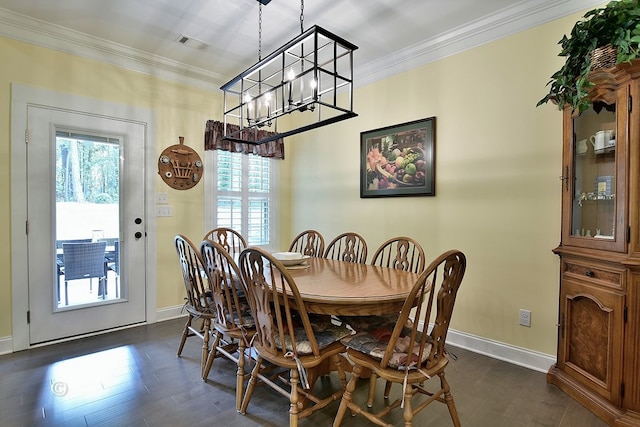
(164,210)
(525,317)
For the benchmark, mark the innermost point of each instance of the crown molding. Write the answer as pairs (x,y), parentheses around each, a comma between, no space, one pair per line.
(508,21)
(40,33)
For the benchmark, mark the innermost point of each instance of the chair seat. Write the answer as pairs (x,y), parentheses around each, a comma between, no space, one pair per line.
(197,313)
(325,331)
(369,323)
(376,347)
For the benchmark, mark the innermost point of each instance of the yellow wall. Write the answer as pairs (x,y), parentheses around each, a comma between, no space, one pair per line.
(498,159)
(179,111)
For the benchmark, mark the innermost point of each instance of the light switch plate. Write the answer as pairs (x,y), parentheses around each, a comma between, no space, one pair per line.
(162,198)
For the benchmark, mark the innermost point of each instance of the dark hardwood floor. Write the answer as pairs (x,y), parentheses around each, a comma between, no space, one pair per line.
(134,378)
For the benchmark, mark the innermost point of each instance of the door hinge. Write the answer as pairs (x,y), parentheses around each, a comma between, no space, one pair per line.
(26,227)
(26,136)
(622,390)
(561,326)
(630,103)
(624,315)
(628,234)
(28,316)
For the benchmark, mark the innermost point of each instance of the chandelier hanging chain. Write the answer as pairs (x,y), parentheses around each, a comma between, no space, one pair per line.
(301,16)
(260,33)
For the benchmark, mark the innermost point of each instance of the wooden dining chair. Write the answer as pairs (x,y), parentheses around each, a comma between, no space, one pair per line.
(286,337)
(409,355)
(233,319)
(231,240)
(403,253)
(350,247)
(309,242)
(199,303)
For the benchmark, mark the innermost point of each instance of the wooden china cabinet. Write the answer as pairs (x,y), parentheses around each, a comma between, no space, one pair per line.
(599,309)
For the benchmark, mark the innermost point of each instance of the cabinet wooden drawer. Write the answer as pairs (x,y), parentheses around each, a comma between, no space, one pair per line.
(596,274)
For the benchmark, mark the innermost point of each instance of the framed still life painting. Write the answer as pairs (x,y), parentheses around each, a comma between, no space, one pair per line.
(398,160)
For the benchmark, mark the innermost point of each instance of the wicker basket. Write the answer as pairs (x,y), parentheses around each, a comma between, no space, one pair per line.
(603,57)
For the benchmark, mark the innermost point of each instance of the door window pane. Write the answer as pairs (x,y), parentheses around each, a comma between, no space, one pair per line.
(87,218)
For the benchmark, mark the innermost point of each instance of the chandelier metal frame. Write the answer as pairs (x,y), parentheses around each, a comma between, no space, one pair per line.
(312,74)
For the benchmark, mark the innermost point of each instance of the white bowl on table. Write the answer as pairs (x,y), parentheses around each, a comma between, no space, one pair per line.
(290,258)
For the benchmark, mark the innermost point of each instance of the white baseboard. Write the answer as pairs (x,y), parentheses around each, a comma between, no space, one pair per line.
(168,313)
(516,355)
(6,345)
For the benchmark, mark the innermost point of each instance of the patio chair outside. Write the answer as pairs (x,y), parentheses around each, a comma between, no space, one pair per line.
(84,261)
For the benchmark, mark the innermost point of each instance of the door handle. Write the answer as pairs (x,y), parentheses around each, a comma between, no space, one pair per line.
(138,235)
(138,221)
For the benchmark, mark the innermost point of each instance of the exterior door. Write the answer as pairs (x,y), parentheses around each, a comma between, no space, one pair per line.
(86,223)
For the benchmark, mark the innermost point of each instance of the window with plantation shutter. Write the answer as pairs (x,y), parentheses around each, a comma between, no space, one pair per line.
(240,195)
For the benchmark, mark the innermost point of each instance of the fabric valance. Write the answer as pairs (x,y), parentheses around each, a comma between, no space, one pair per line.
(213,140)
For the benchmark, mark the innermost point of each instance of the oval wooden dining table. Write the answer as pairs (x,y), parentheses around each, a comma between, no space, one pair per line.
(344,288)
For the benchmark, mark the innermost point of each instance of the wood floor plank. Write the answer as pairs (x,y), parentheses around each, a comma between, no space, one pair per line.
(133,377)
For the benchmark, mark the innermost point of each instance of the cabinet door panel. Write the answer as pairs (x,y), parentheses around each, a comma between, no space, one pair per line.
(591,336)
(595,175)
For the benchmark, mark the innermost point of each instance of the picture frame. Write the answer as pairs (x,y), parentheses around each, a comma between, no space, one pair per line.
(398,160)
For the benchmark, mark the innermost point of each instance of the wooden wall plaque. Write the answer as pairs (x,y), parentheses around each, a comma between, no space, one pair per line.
(180,166)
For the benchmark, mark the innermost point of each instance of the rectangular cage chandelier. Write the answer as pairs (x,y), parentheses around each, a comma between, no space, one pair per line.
(309,79)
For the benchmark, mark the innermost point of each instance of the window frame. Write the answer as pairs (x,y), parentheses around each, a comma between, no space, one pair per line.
(211,193)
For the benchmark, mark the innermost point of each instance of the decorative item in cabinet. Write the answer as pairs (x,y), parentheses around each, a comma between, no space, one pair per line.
(604,188)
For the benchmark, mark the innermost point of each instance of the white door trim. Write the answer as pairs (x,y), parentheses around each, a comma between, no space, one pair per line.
(21,96)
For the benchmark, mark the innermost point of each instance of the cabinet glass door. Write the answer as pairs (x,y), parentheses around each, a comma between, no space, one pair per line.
(594,199)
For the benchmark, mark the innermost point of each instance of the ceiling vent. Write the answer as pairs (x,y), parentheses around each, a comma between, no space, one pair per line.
(192,42)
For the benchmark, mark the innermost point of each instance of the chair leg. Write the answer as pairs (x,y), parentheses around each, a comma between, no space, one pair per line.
(240,374)
(347,396)
(251,385)
(372,389)
(407,414)
(185,334)
(387,389)
(211,354)
(59,283)
(448,397)
(205,347)
(293,398)
(337,361)
(66,293)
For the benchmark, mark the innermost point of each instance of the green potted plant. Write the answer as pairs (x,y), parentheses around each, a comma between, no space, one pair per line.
(616,27)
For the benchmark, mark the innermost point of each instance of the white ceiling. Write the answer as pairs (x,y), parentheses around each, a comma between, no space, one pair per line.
(392,35)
